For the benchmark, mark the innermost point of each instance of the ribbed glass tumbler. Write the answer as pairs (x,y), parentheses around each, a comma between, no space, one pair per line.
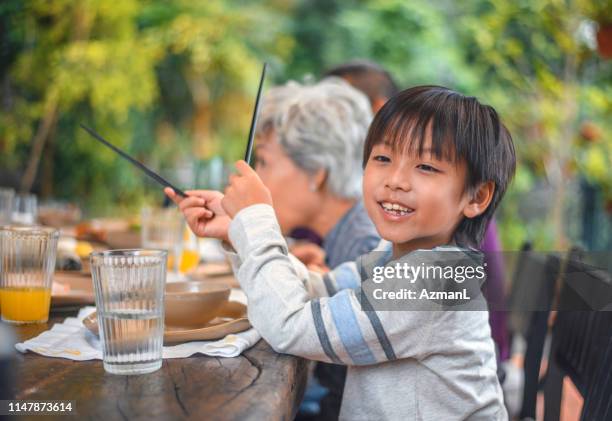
(129,288)
(27,262)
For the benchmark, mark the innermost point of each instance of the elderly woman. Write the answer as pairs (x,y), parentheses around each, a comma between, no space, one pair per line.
(308,153)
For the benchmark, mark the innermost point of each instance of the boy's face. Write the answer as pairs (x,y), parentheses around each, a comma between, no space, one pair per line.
(414,201)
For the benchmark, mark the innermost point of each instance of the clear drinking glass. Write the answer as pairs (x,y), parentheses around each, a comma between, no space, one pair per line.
(27,262)
(6,205)
(25,209)
(163,229)
(129,287)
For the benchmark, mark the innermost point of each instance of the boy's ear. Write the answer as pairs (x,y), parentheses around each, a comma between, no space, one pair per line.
(480,200)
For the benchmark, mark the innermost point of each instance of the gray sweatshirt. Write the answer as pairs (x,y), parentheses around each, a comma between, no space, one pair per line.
(402,365)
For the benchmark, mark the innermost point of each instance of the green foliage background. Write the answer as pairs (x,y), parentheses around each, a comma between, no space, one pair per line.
(173,82)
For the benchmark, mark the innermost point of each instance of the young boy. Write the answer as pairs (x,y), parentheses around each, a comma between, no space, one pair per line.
(437,164)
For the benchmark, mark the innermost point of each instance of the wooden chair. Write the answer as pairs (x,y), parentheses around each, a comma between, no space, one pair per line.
(580,341)
(598,403)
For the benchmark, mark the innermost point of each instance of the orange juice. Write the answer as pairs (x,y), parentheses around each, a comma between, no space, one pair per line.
(189,260)
(25,304)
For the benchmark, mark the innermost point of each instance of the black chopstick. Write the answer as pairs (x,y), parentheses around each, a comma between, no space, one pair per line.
(147,171)
(249,148)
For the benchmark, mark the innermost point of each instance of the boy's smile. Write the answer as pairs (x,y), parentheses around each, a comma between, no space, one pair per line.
(395,211)
(414,201)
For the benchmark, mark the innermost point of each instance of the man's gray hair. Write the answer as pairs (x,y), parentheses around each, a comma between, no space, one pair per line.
(321,126)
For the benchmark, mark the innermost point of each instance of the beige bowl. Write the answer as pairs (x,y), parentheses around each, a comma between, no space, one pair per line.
(192,304)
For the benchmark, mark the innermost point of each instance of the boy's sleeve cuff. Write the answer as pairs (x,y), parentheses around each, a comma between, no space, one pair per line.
(252,226)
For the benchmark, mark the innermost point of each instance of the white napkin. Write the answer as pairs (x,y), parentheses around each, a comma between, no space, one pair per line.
(72,340)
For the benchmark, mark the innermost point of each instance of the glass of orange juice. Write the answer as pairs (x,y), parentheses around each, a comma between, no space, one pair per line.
(27,262)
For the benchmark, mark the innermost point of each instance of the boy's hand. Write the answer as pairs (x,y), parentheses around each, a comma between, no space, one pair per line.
(244,189)
(203,212)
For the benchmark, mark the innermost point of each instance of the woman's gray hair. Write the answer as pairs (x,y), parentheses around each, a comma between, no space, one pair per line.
(321,126)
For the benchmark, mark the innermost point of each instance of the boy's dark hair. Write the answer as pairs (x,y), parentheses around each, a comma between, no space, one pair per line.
(370,78)
(461,129)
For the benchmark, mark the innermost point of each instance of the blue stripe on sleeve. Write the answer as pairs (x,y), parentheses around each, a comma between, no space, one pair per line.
(322,332)
(345,276)
(349,330)
(361,269)
(378,328)
(328,284)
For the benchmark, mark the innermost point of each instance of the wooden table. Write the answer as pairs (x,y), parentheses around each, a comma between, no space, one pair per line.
(258,385)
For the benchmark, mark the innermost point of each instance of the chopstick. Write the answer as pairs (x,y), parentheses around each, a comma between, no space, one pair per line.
(249,148)
(159,178)
(142,167)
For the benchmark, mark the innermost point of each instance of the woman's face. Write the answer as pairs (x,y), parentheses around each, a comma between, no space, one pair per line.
(291,187)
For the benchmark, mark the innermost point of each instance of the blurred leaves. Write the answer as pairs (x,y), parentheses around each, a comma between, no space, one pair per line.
(166,80)
(530,53)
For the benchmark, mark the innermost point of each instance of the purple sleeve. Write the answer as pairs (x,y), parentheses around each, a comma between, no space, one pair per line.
(306,234)
(494,291)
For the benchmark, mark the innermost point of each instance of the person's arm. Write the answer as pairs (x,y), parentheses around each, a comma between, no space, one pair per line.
(316,284)
(332,329)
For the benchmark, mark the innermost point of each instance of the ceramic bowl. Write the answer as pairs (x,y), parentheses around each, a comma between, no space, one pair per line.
(192,304)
